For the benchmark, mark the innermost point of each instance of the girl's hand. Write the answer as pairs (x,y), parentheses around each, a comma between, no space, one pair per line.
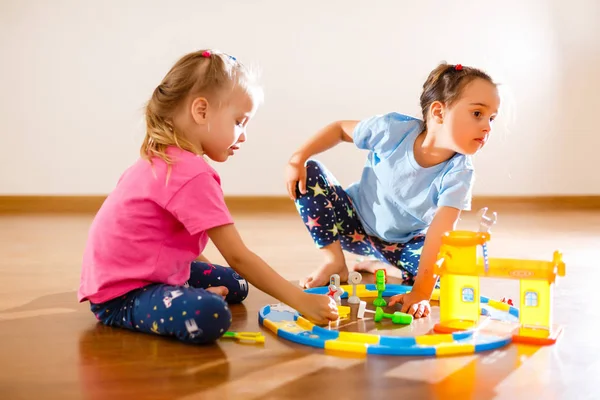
(413,303)
(295,173)
(318,308)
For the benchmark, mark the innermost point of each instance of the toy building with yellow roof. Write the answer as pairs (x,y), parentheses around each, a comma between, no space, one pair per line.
(460,270)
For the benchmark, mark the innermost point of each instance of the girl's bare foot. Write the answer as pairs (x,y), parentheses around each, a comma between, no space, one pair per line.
(320,276)
(373,265)
(218,290)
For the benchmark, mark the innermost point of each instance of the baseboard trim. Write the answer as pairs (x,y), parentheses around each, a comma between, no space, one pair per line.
(260,204)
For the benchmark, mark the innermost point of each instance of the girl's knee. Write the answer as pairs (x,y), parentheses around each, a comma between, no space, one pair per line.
(239,290)
(314,168)
(206,318)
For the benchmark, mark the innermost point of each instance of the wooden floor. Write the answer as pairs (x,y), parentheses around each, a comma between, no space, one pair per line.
(52,348)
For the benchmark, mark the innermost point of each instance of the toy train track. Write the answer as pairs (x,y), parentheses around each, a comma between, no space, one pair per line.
(288,324)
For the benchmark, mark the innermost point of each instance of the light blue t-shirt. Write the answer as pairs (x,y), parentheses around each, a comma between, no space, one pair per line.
(395,198)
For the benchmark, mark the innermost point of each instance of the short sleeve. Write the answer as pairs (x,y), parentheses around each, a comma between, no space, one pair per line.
(199,205)
(382,133)
(457,189)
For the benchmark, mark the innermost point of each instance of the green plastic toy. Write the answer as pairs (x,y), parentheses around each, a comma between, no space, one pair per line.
(397,317)
(380,278)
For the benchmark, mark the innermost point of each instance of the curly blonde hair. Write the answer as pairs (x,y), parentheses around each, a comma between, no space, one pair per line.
(203,72)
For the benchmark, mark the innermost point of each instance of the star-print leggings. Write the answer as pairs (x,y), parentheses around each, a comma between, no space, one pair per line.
(188,313)
(329,215)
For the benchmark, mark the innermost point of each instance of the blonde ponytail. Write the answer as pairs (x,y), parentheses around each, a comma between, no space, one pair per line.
(160,134)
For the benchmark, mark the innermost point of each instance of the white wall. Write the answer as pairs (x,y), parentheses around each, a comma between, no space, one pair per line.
(75,75)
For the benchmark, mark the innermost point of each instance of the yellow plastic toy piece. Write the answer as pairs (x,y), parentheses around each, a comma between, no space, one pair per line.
(358,337)
(361,291)
(305,324)
(254,337)
(353,347)
(343,311)
(498,305)
(433,339)
(273,326)
(448,349)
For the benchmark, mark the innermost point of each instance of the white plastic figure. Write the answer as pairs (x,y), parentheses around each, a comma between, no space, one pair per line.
(362,309)
(335,290)
(354,278)
(485,222)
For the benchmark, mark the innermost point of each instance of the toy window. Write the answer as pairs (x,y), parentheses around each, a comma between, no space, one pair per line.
(468,295)
(531,299)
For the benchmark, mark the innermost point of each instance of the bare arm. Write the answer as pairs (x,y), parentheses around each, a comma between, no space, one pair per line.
(416,302)
(226,238)
(326,138)
(445,220)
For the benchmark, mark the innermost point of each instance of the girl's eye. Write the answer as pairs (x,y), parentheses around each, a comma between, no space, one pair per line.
(477,114)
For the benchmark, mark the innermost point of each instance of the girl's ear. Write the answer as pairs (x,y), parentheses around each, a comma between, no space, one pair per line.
(436,111)
(199,109)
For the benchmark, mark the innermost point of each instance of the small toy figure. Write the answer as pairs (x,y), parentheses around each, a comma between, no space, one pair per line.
(354,278)
(380,280)
(335,290)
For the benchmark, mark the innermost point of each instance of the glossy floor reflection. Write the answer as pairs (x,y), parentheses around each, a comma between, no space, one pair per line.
(52,347)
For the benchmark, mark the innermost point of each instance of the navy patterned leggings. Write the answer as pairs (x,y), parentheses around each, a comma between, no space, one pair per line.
(329,215)
(188,313)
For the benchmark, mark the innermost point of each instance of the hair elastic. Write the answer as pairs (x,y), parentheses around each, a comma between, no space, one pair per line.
(458,67)
(208,54)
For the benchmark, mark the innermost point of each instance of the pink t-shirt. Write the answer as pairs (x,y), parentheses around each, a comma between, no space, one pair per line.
(149,230)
